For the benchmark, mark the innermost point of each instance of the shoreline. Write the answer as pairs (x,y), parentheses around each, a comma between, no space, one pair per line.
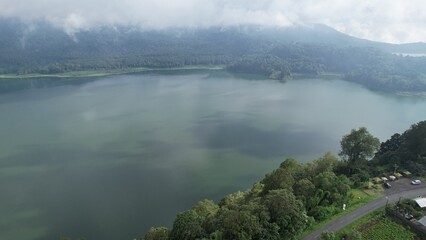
(107,72)
(139,70)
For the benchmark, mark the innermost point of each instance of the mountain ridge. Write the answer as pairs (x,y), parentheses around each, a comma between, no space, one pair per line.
(274,52)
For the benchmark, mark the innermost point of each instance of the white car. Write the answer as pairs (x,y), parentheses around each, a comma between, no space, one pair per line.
(416,182)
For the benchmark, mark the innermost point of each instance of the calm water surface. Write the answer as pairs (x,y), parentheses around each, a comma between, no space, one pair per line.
(110,158)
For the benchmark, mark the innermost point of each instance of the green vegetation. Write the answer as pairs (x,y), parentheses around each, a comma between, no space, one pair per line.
(402,152)
(357,147)
(281,206)
(271,52)
(160,233)
(15,82)
(387,229)
(105,72)
(68,238)
(296,198)
(375,226)
(358,198)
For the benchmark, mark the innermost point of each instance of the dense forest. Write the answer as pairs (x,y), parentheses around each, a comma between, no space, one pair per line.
(403,151)
(278,53)
(281,206)
(294,196)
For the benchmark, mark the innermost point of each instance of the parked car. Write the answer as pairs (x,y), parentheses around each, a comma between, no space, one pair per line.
(416,182)
(387,185)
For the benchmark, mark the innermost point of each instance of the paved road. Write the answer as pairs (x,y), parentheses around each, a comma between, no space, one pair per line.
(393,196)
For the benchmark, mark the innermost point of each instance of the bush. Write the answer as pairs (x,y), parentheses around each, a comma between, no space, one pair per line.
(328,236)
(322,213)
(158,233)
(352,235)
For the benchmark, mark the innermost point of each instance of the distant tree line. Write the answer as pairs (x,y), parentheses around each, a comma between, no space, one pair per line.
(373,68)
(48,50)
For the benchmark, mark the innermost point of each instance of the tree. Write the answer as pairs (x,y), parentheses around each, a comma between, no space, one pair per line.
(207,210)
(187,226)
(287,212)
(326,163)
(357,147)
(233,201)
(291,165)
(304,187)
(415,140)
(236,224)
(328,236)
(406,151)
(391,145)
(157,233)
(281,178)
(331,189)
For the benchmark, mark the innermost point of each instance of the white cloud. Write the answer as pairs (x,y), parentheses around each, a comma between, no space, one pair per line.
(383,20)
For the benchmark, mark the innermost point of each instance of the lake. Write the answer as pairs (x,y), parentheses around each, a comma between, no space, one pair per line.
(108,158)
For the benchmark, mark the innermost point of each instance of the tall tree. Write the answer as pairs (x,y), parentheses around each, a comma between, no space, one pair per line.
(357,147)
(207,210)
(415,141)
(287,212)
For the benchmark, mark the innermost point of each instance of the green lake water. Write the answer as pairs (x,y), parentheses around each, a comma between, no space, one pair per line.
(109,158)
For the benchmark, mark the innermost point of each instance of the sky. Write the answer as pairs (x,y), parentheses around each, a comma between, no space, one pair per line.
(396,21)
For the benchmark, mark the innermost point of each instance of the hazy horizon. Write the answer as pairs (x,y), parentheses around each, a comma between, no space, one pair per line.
(394,22)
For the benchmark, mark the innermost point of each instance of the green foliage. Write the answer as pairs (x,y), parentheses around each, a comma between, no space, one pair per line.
(322,213)
(269,231)
(273,53)
(387,229)
(234,200)
(375,226)
(268,65)
(360,178)
(352,235)
(405,151)
(332,189)
(157,233)
(326,163)
(188,226)
(280,178)
(235,224)
(207,210)
(328,236)
(295,196)
(414,142)
(304,188)
(281,206)
(287,212)
(357,147)
(391,145)
(410,206)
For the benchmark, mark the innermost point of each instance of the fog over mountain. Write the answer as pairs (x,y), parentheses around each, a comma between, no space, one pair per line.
(395,21)
(276,39)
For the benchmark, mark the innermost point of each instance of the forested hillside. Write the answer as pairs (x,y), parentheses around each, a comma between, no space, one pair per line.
(281,206)
(403,151)
(294,196)
(277,53)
